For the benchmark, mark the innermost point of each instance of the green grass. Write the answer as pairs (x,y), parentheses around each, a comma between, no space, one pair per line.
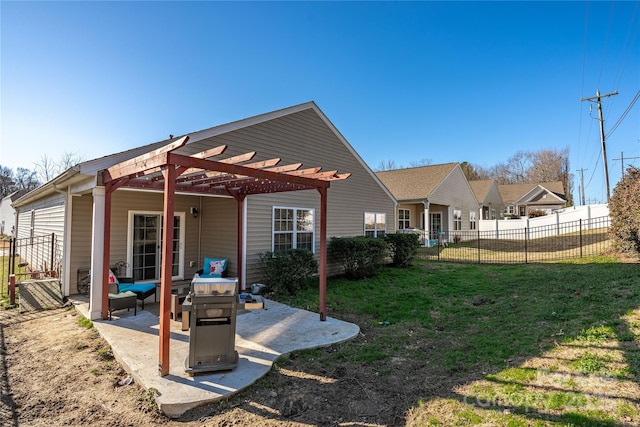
(480,318)
(84,322)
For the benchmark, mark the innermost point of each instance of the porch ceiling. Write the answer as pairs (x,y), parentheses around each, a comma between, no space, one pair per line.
(208,172)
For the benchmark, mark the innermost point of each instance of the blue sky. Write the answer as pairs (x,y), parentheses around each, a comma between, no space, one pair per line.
(402,81)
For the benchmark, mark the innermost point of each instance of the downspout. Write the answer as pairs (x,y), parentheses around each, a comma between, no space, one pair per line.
(66,248)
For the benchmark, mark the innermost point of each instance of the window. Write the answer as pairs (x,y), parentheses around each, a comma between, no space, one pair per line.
(510,209)
(472,220)
(375,224)
(457,220)
(293,228)
(403,218)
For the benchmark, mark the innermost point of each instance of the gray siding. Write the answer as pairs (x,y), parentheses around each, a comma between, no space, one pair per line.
(454,191)
(81,238)
(219,232)
(43,218)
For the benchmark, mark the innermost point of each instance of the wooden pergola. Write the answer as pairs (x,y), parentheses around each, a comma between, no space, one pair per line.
(205,174)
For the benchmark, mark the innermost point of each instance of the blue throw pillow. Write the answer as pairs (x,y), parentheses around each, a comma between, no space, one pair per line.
(214,267)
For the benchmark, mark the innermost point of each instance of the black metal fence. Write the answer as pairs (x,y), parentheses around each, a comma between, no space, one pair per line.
(29,258)
(574,239)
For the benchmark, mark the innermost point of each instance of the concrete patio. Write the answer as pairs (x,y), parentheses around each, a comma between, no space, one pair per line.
(262,336)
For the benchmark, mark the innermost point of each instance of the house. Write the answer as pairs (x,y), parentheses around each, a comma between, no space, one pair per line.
(8,213)
(284,179)
(435,199)
(489,198)
(523,199)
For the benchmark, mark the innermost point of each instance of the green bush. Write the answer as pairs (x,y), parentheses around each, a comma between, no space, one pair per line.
(534,213)
(286,272)
(403,248)
(359,257)
(624,209)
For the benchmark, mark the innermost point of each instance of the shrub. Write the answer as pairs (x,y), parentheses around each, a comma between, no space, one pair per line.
(285,272)
(624,209)
(537,213)
(403,248)
(359,256)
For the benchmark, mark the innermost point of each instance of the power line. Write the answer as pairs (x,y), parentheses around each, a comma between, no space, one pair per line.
(613,128)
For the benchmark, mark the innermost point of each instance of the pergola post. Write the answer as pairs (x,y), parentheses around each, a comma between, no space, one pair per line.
(240,240)
(323,254)
(167,257)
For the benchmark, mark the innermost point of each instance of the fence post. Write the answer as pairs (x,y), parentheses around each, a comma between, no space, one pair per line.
(478,245)
(12,255)
(526,241)
(12,289)
(580,226)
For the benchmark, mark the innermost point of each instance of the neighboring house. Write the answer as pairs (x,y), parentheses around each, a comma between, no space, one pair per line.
(522,199)
(8,213)
(489,198)
(247,187)
(434,199)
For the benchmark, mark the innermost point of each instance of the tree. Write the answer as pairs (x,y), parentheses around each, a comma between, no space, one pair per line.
(418,163)
(26,179)
(470,171)
(7,184)
(533,167)
(386,165)
(624,209)
(47,168)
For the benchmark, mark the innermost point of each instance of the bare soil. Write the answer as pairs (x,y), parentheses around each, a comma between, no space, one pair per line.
(57,372)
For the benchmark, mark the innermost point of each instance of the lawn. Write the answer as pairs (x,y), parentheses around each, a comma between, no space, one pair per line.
(514,345)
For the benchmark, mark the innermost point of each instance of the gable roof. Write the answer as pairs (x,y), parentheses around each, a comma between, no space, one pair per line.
(511,193)
(15,195)
(415,183)
(481,188)
(91,168)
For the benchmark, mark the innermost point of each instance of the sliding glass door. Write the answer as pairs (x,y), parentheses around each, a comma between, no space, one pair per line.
(144,247)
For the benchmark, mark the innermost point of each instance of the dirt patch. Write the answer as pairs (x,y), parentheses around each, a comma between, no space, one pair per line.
(58,372)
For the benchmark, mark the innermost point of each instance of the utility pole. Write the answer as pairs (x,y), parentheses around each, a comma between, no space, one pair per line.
(622,160)
(602,139)
(581,170)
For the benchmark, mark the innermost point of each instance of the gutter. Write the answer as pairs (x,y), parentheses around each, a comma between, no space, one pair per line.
(51,186)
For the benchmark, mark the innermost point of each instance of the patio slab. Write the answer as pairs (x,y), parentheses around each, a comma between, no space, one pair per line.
(261,337)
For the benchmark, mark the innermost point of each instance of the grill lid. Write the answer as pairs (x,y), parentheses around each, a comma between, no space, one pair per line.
(214,285)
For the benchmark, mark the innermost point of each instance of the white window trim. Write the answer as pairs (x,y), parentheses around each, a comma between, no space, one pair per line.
(406,221)
(473,220)
(375,223)
(180,215)
(457,221)
(294,241)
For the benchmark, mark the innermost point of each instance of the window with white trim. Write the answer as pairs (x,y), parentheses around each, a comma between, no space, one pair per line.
(457,220)
(403,218)
(375,224)
(472,220)
(293,228)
